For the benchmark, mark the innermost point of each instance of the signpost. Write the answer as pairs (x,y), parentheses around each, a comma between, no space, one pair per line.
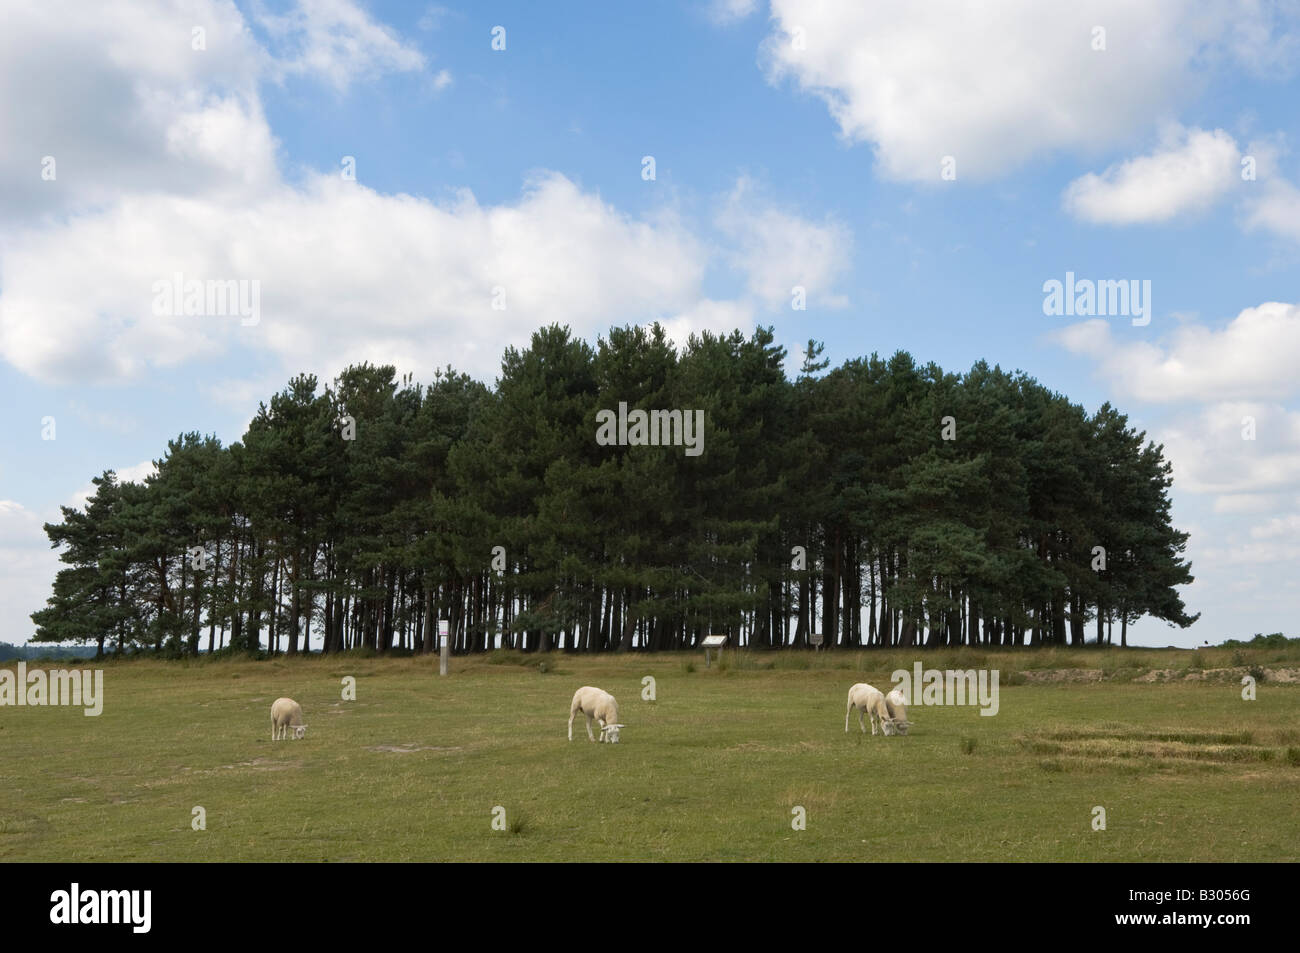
(444,636)
(713,642)
(815,640)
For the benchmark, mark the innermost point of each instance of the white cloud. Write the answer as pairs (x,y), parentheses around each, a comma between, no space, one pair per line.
(346,274)
(27,569)
(1210,455)
(729,11)
(1190,171)
(115,94)
(1276,209)
(136,473)
(778,250)
(1278,526)
(994,85)
(189,186)
(1236,503)
(1253,357)
(719,317)
(1251,554)
(118,96)
(338,41)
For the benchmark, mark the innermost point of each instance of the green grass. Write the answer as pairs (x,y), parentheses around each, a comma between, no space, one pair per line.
(414,767)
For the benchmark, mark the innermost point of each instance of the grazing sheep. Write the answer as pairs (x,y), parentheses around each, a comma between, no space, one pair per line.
(864,697)
(285,714)
(897,706)
(597,704)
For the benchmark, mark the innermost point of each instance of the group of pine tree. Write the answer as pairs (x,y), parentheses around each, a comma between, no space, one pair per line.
(880,503)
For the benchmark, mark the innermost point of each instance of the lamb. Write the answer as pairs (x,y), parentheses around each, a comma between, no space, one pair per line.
(598,704)
(897,706)
(285,714)
(864,697)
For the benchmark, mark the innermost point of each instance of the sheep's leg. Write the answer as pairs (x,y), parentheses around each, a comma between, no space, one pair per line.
(572,712)
(861,724)
(847,709)
(590,736)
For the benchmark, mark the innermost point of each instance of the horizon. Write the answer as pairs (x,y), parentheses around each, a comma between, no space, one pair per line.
(405,185)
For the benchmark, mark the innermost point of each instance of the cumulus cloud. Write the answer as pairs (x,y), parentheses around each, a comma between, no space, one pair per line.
(106,98)
(184,182)
(778,250)
(1190,171)
(1210,454)
(338,41)
(1276,208)
(920,81)
(345,274)
(719,317)
(1253,357)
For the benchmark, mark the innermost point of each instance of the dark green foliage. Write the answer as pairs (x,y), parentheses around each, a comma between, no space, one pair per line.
(880,503)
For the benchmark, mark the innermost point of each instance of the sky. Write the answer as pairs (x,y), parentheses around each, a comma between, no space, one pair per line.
(382,173)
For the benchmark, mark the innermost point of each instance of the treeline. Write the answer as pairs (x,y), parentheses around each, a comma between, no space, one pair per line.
(882,503)
(10,652)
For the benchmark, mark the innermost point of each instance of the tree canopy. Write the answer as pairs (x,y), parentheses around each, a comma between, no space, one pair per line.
(878,503)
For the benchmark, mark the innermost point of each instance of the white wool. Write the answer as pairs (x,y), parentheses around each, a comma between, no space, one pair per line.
(897,706)
(599,704)
(285,714)
(866,698)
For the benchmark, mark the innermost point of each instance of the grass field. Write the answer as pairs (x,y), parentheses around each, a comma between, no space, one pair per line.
(412,769)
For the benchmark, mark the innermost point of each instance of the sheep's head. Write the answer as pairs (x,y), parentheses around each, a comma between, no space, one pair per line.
(609,733)
(889,727)
(299,731)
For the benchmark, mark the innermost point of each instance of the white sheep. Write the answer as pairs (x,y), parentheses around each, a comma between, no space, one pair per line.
(864,697)
(598,704)
(285,714)
(897,707)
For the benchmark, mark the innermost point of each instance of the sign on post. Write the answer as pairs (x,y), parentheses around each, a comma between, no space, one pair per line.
(444,637)
(815,639)
(713,642)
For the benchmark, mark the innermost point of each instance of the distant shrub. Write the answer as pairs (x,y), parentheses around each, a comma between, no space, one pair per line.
(968,745)
(1274,641)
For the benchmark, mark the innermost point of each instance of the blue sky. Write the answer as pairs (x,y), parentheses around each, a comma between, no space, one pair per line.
(795,142)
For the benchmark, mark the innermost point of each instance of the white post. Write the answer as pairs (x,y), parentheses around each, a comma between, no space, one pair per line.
(444,636)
